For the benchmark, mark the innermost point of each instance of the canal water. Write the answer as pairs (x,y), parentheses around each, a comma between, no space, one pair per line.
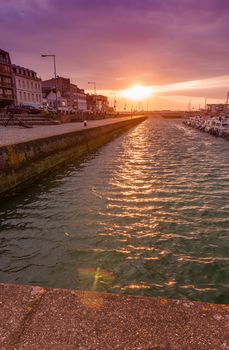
(147,214)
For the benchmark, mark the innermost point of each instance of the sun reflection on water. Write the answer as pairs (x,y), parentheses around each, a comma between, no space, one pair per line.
(151,219)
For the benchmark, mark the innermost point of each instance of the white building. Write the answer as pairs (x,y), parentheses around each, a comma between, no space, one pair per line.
(28,86)
(49,99)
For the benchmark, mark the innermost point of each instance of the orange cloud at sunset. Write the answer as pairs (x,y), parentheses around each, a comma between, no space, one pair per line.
(176,49)
(174,96)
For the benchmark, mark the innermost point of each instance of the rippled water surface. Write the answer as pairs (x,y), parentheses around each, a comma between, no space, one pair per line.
(147,214)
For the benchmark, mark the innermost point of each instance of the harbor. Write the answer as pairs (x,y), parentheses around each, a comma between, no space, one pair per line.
(130,242)
(141,213)
(114,175)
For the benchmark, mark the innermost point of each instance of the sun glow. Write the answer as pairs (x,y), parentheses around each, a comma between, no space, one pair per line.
(138,92)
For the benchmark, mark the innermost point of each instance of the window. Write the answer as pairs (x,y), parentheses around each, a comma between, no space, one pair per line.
(27,85)
(2,58)
(28,96)
(4,69)
(24,96)
(8,93)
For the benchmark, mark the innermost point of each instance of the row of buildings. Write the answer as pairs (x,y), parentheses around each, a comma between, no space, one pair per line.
(22,86)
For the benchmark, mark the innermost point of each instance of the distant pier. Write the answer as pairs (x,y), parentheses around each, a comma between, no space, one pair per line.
(26,154)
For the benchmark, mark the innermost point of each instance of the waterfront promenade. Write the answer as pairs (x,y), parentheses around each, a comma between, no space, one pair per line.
(25,154)
(16,134)
(39,318)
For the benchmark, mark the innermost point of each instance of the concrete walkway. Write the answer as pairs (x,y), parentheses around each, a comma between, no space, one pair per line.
(38,318)
(15,134)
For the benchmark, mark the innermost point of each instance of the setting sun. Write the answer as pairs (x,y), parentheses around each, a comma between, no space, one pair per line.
(137,92)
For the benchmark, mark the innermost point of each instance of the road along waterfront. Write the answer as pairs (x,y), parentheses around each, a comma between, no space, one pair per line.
(146,214)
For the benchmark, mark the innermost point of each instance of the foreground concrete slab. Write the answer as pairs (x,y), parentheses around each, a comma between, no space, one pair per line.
(16,304)
(38,318)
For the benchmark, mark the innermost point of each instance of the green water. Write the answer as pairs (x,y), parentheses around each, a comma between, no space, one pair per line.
(147,214)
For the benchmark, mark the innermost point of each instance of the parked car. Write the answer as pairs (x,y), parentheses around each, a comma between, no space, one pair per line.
(32,109)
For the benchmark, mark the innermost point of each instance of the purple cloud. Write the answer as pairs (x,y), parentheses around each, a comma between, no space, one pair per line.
(150,42)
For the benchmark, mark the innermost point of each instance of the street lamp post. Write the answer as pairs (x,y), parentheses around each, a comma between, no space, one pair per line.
(54,62)
(94,84)
(115,101)
(227,103)
(125,104)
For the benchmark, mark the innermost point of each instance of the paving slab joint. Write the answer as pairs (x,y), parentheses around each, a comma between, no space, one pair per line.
(37,294)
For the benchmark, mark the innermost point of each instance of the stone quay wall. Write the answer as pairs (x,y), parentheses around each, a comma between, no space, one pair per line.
(23,163)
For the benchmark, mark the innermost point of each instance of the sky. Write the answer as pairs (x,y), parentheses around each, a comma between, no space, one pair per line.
(177,48)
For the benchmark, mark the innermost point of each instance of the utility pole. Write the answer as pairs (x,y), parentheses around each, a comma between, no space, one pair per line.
(115,101)
(54,62)
(125,105)
(95,92)
(227,102)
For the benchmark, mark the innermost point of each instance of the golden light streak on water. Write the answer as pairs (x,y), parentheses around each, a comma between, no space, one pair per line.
(151,210)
